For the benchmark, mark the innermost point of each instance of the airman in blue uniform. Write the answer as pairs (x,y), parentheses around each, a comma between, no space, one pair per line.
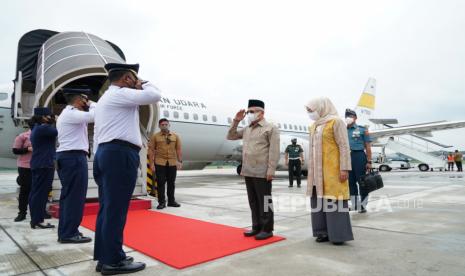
(116,162)
(72,162)
(360,153)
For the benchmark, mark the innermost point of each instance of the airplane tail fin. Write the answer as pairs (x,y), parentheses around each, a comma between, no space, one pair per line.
(366,103)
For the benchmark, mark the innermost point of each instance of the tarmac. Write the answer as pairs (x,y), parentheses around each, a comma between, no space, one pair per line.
(415,225)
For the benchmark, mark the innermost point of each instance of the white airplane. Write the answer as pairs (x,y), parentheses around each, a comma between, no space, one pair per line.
(203,127)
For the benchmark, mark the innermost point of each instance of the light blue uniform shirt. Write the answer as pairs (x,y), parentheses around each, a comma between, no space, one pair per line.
(358,136)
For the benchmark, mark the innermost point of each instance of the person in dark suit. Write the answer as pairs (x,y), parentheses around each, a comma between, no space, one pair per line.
(43,140)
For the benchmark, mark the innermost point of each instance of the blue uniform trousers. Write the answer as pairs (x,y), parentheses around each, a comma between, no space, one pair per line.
(115,171)
(359,162)
(42,179)
(73,173)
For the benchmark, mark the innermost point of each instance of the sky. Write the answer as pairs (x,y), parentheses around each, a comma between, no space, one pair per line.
(283,52)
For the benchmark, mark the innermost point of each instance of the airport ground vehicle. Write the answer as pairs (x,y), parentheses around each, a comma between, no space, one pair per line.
(393,164)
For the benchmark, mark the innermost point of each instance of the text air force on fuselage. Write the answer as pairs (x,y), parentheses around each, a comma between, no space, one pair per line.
(178,104)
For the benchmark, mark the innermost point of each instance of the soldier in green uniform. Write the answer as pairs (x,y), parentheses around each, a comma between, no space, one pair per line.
(294,160)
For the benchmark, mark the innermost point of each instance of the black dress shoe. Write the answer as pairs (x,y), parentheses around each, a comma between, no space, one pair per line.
(122,268)
(20,217)
(42,226)
(298,186)
(322,239)
(363,210)
(263,235)
(76,239)
(290,186)
(161,206)
(338,243)
(128,260)
(174,204)
(47,215)
(251,233)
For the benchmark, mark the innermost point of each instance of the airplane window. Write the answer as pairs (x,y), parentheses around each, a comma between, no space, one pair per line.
(214,119)
(3,96)
(285,126)
(186,116)
(290,126)
(205,118)
(295,127)
(229,120)
(279,125)
(300,127)
(166,113)
(196,117)
(176,114)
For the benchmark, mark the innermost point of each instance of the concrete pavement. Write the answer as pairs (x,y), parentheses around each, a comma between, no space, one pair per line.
(415,226)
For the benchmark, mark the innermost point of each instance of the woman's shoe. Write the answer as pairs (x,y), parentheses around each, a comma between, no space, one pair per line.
(42,226)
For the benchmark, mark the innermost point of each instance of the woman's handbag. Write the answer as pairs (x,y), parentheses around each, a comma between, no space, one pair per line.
(370,182)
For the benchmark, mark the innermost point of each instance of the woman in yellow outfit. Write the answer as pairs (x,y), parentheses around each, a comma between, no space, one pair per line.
(328,170)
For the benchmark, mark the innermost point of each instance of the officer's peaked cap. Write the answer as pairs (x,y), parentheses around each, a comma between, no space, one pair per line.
(112,67)
(77,91)
(42,111)
(350,112)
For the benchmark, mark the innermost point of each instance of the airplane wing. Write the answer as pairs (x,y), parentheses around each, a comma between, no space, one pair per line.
(416,129)
(384,121)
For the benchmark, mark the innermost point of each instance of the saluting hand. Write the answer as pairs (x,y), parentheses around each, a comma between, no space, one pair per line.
(138,85)
(240,115)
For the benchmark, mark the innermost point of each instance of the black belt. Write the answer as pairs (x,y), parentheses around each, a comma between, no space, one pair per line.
(123,143)
(74,151)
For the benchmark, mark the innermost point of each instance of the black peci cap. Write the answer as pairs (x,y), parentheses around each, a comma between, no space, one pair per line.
(112,67)
(256,103)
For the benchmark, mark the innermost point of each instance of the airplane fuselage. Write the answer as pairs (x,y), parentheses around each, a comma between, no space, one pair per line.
(203,128)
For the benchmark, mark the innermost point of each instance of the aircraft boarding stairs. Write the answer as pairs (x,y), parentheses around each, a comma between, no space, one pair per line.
(416,151)
(92,191)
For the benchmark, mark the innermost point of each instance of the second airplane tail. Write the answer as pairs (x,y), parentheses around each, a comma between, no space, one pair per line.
(366,103)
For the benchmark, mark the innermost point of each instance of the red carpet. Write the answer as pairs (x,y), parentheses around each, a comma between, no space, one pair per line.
(181,242)
(91,208)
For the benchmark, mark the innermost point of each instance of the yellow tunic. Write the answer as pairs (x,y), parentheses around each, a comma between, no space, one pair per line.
(331,157)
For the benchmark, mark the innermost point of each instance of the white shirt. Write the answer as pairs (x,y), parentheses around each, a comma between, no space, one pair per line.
(72,128)
(117,113)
